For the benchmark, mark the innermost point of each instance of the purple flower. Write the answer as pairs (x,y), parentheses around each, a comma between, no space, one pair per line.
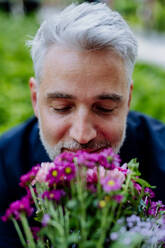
(109,159)
(54,194)
(155,208)
(7,216)
(35,230)
(89,160)
(18,207)
(110,184)
(45,219)
(92,179)
(91,176)
(54,175)
(137,186)
(148,192)
(65,156)
(118,198)
(69,171)
(28,178)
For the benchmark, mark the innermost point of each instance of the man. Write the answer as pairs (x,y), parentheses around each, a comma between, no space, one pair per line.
(83,61)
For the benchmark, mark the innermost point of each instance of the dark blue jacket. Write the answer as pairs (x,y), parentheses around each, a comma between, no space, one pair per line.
(20,149)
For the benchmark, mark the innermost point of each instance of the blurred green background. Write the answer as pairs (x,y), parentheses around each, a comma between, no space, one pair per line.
(16,65)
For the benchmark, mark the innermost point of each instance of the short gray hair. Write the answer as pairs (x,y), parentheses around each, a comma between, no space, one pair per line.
(85,26)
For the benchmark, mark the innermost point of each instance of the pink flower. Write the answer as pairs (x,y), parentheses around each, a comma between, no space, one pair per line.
(110,184)
(117,174)
(91,179)
(114,174)
(91,175)
(124,169)
(43,172)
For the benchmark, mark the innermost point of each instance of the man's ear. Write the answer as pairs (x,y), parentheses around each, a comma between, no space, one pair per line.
(130,94)
(33,90)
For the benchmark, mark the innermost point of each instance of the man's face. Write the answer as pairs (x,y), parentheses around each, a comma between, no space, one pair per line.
(82,101)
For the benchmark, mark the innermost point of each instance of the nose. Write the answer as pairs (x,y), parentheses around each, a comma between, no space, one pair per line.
(82,129)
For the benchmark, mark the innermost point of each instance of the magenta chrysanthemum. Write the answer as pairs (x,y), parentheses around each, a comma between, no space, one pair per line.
(54,194)
(86,159)
(18,207)
(109,159)
(26,179)
(54,175)
(69,171)
(65,156)
(118,198)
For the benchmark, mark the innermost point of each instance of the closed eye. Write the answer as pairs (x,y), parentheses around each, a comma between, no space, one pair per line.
(103,110)
(62,110)
(107,110)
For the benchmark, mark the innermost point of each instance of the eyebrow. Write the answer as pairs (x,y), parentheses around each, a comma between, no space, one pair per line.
(58,95)
(105,96)
(112,97)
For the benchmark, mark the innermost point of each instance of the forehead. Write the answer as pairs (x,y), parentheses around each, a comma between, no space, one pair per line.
(83,70)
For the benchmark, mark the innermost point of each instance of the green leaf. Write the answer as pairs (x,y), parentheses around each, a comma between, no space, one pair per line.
(143,182)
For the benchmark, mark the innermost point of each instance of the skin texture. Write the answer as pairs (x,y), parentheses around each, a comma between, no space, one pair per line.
(82,101)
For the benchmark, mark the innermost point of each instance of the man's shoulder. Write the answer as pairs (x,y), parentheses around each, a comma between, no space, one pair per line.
(16,143)
(16,135)
(144,123)
(145,136)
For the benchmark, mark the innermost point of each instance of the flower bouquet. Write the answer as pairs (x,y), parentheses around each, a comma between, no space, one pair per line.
(87,200)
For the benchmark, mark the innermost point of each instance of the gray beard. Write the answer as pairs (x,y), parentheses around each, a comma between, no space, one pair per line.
(53,151)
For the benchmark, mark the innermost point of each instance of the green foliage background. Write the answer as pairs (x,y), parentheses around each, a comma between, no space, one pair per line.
(16,69)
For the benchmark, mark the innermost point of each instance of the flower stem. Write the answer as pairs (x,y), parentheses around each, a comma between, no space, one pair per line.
(34,197)
(27,231)
(81,199)
(124,192)
(19,232)
(103,228)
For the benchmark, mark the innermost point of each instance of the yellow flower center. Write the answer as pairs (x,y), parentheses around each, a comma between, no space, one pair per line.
(68,170)
(102,204)
(51,196)
(54,173)
(107,198)
(111,182)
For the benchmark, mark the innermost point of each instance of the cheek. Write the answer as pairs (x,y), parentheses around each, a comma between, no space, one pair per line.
(53,127)
(113,130)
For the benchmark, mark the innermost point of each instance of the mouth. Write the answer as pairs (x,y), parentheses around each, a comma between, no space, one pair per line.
(85,150)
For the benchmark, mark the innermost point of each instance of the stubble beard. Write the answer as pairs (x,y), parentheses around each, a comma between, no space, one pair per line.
(55,150)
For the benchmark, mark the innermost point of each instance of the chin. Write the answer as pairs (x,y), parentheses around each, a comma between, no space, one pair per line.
(73,146)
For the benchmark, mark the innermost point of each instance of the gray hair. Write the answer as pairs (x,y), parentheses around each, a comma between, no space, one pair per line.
(85,26)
